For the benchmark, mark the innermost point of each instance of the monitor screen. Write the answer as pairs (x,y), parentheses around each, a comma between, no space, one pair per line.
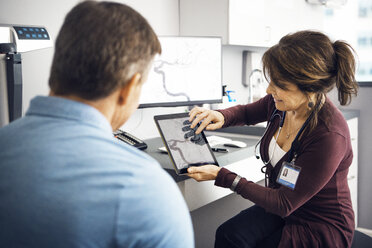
(188,72)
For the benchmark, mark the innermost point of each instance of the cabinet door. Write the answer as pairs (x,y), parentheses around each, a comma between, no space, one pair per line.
(353,127)
(249,24)
(265,22)
(352,177)
(204,18)
(256,23)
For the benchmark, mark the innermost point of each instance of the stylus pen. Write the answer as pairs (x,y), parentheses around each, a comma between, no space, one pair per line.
(219,149)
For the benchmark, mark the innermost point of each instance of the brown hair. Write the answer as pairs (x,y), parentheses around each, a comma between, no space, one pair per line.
(99,48)
(311,61)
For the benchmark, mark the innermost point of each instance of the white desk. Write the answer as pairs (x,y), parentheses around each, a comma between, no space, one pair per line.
(239,160)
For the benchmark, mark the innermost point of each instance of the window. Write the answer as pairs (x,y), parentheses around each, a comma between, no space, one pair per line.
(353,23)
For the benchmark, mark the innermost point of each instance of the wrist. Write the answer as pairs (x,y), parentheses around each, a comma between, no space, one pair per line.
(220,116)
(218,169)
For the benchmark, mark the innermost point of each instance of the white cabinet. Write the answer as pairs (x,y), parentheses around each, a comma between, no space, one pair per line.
(352,177)
(258,23)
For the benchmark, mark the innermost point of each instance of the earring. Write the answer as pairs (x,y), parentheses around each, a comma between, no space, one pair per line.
(310,104)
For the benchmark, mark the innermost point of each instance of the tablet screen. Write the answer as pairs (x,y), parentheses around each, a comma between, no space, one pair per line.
(185,148)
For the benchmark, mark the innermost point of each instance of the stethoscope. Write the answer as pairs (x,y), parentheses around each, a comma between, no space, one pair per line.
(281,123)
(295,143)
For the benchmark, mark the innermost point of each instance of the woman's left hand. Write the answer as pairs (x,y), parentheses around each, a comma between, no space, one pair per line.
(203,173)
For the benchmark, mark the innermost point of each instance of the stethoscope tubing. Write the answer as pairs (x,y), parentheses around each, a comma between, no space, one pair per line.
(295,143)
(274,114)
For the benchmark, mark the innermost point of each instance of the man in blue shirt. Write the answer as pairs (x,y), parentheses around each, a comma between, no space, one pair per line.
(65,181)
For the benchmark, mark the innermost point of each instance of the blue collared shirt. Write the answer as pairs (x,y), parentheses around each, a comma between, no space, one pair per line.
(65,181)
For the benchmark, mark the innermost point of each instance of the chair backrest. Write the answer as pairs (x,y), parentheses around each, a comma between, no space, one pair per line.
(361,240)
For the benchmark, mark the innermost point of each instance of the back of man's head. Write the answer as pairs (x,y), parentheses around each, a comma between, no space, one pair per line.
(100,46)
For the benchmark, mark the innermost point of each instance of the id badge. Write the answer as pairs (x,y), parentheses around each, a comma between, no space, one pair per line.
(288,175)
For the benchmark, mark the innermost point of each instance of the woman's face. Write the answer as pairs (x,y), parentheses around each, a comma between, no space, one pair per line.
(290,99)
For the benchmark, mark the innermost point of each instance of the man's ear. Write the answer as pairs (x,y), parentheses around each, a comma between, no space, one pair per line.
(129,88)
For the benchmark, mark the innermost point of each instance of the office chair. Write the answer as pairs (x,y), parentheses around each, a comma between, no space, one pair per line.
(361,240)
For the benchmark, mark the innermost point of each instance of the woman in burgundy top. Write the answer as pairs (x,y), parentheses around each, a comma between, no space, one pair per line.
(306,149)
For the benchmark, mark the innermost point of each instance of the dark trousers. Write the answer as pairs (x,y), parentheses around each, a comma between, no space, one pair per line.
(253,227)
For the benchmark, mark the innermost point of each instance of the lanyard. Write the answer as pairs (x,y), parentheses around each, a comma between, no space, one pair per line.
(296,144)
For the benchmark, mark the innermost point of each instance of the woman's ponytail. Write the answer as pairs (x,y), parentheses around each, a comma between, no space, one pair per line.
(345,72)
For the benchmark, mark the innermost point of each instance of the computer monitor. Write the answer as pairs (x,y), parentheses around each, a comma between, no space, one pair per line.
(188,72)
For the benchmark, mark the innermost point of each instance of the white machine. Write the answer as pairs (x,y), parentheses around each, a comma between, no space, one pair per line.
(15,40)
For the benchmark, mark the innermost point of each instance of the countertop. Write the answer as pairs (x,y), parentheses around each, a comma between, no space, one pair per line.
(248,134)
(223,159)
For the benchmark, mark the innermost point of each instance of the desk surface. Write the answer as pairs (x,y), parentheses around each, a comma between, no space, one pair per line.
(247,134)
(234,154)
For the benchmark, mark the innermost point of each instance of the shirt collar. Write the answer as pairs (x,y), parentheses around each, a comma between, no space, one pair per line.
(59,107)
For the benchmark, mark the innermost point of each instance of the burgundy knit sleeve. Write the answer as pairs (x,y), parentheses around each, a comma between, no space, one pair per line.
(248,114)
(225,178)
(318,165)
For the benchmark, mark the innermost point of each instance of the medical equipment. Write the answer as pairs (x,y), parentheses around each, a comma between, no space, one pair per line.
(295,144)
(15,40)
(274,114)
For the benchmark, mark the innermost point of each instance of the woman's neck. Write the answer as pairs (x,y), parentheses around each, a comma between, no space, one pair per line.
(303,111)
(299,114)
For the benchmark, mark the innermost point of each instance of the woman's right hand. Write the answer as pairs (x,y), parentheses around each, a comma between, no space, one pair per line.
(211,119)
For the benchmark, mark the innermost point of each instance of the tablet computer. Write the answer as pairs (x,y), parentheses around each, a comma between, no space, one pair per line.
(185,148)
